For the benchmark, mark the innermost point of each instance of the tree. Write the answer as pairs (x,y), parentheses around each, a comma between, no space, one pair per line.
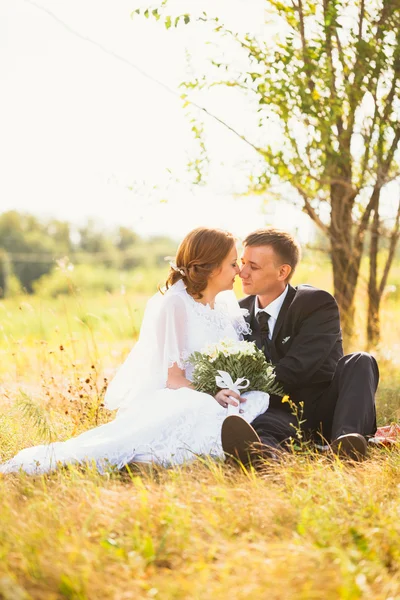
(376,288)
(94,240)
(125,238)
(23,237)
(4,273)
(331,84)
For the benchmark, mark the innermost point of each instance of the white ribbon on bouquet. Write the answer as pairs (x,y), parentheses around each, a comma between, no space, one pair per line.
(225,381)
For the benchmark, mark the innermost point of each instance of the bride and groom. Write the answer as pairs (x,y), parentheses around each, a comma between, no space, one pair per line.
(162,419)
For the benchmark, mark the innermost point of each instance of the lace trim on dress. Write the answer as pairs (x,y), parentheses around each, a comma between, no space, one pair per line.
(214,316)
(242,327)
(182,361)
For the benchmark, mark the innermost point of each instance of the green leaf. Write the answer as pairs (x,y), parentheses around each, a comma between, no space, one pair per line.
(167,22)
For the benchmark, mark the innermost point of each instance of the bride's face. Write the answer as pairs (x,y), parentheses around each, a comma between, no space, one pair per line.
(223,278)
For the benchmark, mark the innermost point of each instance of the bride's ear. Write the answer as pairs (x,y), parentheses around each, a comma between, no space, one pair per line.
(215,273)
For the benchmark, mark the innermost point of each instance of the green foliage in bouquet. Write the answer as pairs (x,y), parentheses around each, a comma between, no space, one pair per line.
(239,359)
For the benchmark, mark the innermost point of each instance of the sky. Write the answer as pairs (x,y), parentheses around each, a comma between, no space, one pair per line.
(86,135)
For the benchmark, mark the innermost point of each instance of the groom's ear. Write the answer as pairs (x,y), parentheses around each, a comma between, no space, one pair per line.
(284,272)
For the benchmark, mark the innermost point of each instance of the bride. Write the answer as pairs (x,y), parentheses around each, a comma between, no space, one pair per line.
(161,418)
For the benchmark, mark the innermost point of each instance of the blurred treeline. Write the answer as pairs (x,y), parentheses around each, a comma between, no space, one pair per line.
(51,257)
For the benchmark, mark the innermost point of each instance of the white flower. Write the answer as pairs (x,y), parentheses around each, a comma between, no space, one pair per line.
(229,347)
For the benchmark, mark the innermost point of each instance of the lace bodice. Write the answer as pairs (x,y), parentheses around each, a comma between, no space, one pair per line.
(174,326)
(205,325)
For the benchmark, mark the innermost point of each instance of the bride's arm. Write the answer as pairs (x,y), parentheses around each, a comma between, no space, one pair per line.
(176,378)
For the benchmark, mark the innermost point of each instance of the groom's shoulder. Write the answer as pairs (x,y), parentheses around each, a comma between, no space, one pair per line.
(302,292)
(302,297)
(306,294)
(246,302)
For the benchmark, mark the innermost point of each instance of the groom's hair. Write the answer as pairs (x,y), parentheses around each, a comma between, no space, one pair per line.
(283,243)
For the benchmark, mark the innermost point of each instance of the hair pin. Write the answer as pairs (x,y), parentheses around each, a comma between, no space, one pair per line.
(180,270)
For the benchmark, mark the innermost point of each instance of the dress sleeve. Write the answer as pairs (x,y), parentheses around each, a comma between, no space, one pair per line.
(171,332)
(161,344)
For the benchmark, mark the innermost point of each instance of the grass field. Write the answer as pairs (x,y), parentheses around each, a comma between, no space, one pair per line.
(309,528)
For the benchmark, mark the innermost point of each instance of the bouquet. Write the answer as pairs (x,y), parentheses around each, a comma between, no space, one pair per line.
(234,365)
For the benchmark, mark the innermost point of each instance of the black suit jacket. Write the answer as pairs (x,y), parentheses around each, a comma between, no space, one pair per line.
(306,344)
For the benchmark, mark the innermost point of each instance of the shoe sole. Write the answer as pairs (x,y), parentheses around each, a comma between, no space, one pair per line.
(237,437)
(353,447)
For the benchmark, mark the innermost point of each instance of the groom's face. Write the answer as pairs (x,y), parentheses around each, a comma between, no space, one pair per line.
(261,271)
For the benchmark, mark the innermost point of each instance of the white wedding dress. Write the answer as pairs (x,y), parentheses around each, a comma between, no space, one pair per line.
(153,423)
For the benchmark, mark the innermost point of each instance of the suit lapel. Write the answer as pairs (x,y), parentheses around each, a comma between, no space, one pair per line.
(282,313)
(249,303)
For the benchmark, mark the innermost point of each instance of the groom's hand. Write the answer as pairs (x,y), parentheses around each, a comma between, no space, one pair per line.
(226,397)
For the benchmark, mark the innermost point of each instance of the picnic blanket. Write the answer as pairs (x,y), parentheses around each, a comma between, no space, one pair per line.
(388,435)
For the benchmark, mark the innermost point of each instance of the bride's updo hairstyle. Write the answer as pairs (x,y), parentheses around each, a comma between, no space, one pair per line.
(201,252)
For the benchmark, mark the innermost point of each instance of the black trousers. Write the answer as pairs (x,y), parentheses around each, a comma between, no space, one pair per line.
(346,406)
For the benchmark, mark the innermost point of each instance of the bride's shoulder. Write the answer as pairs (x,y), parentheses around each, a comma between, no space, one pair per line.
(170,300)
(165,308)
(227,301)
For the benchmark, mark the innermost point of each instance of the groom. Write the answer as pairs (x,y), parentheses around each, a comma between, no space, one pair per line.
(299,331)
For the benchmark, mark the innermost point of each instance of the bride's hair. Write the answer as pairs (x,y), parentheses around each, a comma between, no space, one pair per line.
(201,252)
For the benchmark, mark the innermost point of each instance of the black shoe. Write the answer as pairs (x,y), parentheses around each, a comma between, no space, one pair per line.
(263,452)
(350,445)
(238,437)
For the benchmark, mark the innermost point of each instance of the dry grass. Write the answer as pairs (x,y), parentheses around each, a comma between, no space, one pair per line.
(309,528)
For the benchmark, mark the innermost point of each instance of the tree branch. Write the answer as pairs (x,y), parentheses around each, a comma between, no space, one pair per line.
(374,199)
(360,20)
(381,179)
(390,155)
(308,208)
(394,238)
(396,74)
(144,74)
(368,141)
(340,51)
(306,58)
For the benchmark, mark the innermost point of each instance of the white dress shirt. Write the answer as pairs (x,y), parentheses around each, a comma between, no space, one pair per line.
(272,309)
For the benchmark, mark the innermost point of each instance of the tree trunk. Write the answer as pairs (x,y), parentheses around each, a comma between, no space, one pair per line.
(345,258)
(373,322)
(345,277)
(374,296)
(4,273)
(376,289)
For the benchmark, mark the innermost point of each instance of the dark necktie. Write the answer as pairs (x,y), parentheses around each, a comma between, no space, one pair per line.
(263,318)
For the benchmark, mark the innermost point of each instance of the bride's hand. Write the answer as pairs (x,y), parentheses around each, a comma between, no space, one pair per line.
(226,397)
